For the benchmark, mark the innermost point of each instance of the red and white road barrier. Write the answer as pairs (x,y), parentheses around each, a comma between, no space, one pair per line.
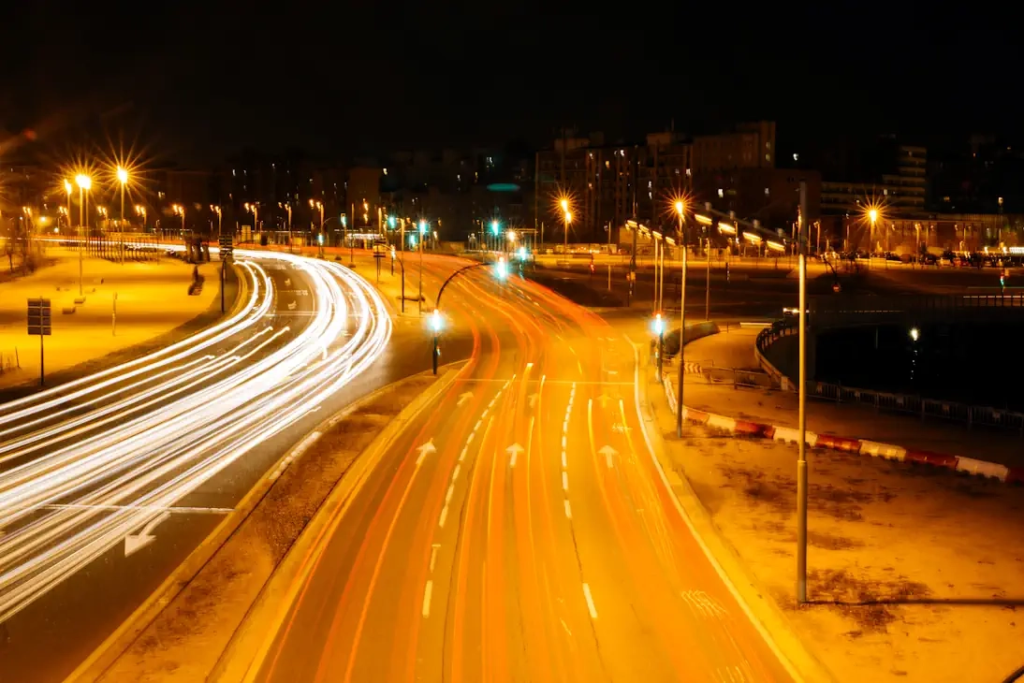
(957,463)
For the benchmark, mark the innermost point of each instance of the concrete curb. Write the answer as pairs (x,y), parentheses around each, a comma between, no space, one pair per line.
(956,463)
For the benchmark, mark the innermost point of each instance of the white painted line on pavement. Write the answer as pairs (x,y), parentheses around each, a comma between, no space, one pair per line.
(426,598)
(443,517)
(484,414)
(462,455)
(477,426)
(563,441)
(564,461)
(565,480)
(565,426)
(455,472)
(470,439)
(449,494)
(433,555)
(590,601)
(568,510)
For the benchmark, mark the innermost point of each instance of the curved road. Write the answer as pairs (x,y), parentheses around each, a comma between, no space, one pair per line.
(108,482)
(518,530)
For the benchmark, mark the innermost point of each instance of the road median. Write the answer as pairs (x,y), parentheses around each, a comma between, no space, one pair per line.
(180,633)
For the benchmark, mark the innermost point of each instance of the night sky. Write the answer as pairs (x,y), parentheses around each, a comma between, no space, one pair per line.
(194,82)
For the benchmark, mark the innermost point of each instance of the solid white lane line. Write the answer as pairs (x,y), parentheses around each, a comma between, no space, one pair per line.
(426,598)
(590,601)
(443,517)
(565,480)
(568,510)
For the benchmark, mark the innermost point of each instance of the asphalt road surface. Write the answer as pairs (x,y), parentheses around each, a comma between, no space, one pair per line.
(519,530)
(107,483)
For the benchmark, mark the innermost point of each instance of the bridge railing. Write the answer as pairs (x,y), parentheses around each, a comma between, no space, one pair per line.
(911,404)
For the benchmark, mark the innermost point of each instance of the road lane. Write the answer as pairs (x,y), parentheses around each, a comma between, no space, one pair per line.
(532,539)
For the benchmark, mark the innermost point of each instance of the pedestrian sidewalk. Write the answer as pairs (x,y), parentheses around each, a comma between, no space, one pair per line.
(152,300)
(735,348)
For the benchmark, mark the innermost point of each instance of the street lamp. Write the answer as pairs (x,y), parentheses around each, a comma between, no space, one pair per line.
(873,217)
(217,210)
(288,209)
(122,178)
(84,182)
(140,210)
(320,206)
(423,231)
(659,329)
(179,210)
(680,207)
(255,210)
(67,189)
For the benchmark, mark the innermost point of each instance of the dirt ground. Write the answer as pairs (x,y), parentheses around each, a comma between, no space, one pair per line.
(914,573)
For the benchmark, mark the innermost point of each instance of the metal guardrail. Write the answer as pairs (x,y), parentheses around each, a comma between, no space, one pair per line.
(826,311)
(912,404)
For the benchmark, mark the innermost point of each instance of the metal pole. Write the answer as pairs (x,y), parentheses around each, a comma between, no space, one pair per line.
(682,331)
(352,251)
(419,300)
(707,285)
(41,360)
(435,353)
(801,467)
(81,232)
(223,279)
(656,247)
(122,222)
(632,268)
(661,278)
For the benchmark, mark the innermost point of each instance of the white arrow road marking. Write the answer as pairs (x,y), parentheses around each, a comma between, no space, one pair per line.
(608,452)
(603,400)
(425,450)
(288,282)
(513,450)
(291,306)
(136,542)
(463,397)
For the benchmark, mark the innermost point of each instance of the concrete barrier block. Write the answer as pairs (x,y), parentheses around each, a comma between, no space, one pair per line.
(68,310)
(883,450)
(982,468)
(80,300)
(721,422)
(933,459)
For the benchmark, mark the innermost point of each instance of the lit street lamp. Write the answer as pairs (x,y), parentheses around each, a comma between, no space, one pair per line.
(288,209)
(423,231)
(220,217)
(84,182)
(320,206)
(680,207)
(122,178)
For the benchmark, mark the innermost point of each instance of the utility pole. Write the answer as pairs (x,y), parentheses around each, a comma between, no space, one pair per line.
(609,256)
(682,327)
(707,284)
(801,467)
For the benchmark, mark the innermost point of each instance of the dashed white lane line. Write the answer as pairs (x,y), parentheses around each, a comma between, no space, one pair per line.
(470,439)
(568,509)
(590,601)
(565,426)
(477,425)
(443,517)
(455,472)
(565,462)
(450,493)
(433,555)
(462,455)
(565,480)
(563,441)
(426,597)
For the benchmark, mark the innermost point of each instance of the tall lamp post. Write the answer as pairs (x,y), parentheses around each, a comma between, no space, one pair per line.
(288,209)
(122,179)
(320,207)
(873,217)
(140,211)
(680,207)
(220,217)
(423,232)
(84,182)
(566,220)
(801,467)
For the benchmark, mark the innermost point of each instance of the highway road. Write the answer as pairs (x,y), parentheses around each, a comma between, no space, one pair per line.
(518,530)
(108,482)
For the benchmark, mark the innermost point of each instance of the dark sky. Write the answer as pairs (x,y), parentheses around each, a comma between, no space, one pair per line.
(202,79)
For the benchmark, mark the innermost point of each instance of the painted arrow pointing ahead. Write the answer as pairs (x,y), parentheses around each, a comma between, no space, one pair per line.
(513,450)
(135,542)
(603,400)
(533,400)
(608,452)
(463,397)
(425,450)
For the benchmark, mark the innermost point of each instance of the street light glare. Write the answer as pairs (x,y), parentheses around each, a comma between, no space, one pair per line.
(83,181)
(568,217)
(680,207)
(435,321)
(67,186)
(565,205)
(122,175)
(873,214)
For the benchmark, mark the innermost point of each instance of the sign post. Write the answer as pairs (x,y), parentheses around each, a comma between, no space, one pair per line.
(39,324)
(227,251)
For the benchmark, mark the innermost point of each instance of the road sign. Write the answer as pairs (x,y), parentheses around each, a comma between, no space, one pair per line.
(227,248)
(39,317)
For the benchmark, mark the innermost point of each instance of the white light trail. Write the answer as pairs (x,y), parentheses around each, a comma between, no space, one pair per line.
(94,460)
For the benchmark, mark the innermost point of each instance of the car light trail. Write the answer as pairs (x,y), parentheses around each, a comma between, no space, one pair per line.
(92,461)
